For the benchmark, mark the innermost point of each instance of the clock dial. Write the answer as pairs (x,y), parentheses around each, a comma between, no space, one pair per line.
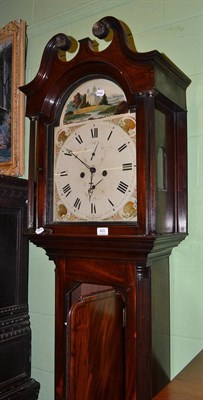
(95,171)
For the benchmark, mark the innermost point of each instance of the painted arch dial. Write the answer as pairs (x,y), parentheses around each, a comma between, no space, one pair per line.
(95,173)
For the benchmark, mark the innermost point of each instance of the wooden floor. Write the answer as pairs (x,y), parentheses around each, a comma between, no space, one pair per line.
(187,385)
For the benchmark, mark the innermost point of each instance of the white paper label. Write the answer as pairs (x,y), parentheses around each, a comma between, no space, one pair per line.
(39,230)
(102,231)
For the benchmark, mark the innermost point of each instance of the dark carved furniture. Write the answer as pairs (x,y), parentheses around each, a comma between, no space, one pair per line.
(117,283)
(15,333)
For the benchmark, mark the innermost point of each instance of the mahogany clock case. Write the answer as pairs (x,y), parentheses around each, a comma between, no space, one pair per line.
(126,249)
(15,333)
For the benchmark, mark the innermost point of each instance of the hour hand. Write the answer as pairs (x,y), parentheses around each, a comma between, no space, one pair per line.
(92,187)
(94,152)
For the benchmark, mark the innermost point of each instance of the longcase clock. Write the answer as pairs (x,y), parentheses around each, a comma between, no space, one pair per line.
(108,203)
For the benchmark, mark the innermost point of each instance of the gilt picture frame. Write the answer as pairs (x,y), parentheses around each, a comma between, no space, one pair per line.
(12,104)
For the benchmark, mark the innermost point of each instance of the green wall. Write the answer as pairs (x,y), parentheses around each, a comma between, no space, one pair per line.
(174,27)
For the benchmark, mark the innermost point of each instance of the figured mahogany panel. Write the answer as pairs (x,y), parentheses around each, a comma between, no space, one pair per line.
(95,348)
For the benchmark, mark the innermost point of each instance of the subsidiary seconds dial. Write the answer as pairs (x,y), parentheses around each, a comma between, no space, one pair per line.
(95,172)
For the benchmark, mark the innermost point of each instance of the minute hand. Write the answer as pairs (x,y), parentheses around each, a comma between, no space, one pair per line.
(70,153)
